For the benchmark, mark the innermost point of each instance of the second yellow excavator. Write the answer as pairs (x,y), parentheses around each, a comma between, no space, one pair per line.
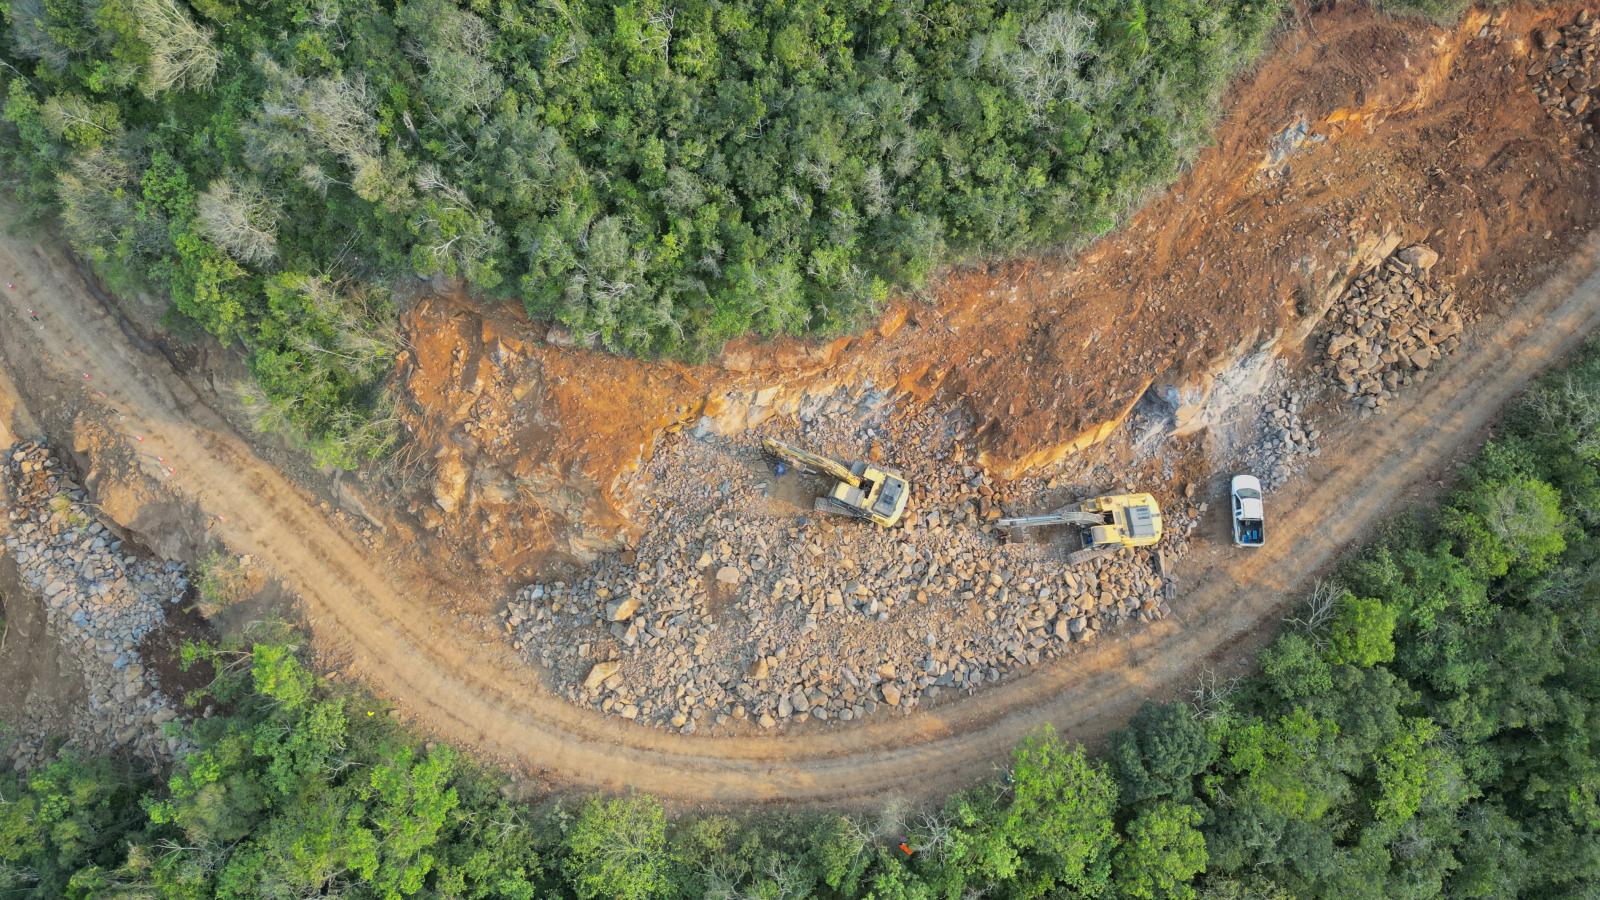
(863,491)
(1108,524)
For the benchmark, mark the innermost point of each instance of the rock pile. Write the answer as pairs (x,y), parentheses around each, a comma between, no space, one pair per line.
(739,607)
(100,599)
(1286,440)
(1566,72)
(1390,327)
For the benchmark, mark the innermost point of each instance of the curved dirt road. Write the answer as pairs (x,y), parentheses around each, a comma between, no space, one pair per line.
(468,687)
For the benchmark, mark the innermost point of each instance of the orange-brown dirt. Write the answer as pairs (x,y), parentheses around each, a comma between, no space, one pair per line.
(1412,133)
(1429,132)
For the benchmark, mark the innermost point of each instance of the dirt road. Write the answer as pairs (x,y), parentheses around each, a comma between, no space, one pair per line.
(65,352)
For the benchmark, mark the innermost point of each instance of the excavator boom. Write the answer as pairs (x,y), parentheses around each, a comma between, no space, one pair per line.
(812,461)
(1065,516)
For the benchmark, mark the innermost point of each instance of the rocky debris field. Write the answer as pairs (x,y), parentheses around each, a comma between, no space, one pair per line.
(740,607)
(1389,327)
(1285,439)
(101,601)
(1566,73)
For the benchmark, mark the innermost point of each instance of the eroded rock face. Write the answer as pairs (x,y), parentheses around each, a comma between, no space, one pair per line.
(1046,356)
(1213,395)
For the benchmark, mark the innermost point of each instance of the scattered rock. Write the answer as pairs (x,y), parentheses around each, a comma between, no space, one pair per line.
(599,672)
(759,670)
(1420,257)
(1564,73)
(450,482)
(98,597)
(622,610)
(1389,328)
(758,613)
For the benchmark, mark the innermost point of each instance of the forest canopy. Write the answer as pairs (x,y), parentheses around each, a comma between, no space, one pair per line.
(657,176)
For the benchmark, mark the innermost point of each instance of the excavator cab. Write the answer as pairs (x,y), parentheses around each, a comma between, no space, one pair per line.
(862,491)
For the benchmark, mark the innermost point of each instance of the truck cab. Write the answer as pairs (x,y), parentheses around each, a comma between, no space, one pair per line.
(1248,513)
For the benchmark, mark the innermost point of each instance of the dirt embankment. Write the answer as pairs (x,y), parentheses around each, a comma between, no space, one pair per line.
(1356,135)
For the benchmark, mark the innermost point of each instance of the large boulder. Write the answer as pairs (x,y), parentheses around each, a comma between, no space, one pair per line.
(599,672)
(1420,257)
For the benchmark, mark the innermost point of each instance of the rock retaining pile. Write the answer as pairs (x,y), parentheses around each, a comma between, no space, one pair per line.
(1390,327)
(100,599)
(1566,73)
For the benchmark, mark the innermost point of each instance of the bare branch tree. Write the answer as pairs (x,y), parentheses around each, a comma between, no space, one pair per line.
(1211,695)
(182,54)
(240,218)
(1320,606)
(1048,66)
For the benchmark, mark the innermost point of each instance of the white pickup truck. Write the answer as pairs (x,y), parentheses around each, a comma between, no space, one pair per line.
(1248,530)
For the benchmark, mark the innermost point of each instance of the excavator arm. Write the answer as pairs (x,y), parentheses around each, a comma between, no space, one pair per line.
(1066,515)
(812,461)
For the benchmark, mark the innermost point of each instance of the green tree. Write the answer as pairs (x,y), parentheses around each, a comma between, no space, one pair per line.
(1160,753)
(1162,853)
(1060,816)
(617,848)
(71,813)
(1404,771)
(1362,632)
(1508,524)
(1295,669)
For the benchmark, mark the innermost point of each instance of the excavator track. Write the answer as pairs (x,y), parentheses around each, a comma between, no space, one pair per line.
(1089,554)
(833,507)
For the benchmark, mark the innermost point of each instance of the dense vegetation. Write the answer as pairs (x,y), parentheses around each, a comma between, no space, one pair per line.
(1430,726)
(658,176)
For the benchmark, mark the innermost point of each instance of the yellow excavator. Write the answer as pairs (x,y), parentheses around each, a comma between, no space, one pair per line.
(862,491)
(1108,524)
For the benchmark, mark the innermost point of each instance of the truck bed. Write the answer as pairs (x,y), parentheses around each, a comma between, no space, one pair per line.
(1251,532)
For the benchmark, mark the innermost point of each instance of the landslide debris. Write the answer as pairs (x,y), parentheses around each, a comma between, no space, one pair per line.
(101,601)
(740,606)
(1389,327)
